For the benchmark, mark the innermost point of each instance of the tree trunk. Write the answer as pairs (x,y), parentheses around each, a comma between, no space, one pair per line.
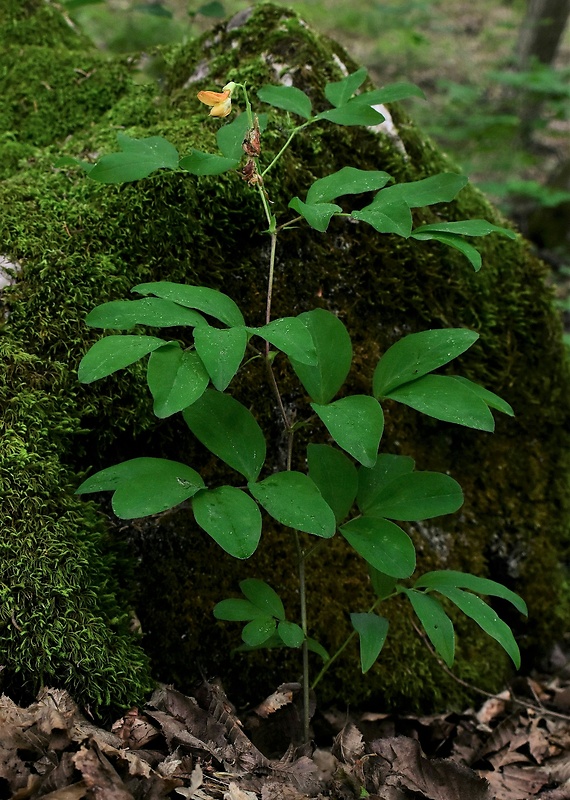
(541,31)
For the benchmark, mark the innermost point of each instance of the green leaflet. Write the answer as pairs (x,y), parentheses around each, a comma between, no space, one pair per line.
(372,481)
(435,622)
(372,631)
(416,496)
(446,399)
(113,353)
(347,180)
(356,423)
(176,379)
(145,486)
(382,544)
(334,355)
(138,159)
(263,597)
(335,476)
(125,314)
(221,351)
(318,215)
(209,301)
(463,580)
(417,354)
(230,517)
(198,163)
(286,97)
(228,430)
(294,500)
(290,335)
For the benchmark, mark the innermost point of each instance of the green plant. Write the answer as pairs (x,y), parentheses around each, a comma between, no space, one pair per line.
(385,488)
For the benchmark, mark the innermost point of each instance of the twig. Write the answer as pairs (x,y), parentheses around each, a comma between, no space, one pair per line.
(523,703)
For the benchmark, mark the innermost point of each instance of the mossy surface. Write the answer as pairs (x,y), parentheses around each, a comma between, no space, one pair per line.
(81,244)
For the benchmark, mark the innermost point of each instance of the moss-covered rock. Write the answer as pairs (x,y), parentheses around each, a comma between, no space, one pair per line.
(62,616)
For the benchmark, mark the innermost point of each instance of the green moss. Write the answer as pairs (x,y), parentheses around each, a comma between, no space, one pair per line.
(81,244)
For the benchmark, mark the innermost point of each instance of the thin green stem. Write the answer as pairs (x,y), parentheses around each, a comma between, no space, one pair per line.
(292,135)
(270,283)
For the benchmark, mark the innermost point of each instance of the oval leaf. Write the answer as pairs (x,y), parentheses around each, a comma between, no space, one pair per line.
(290,335)
(353,113)
(340,92)
(387,214)
(221,351)
(237,610)
(287,97)
(372,481)
(441,188)
(446,399)
(198,163)
(347,180)
(145,486)
(125,314)
(356,424)
(435,622)
(335,476)
(382,584)
(231,517)
(334,355)
(417,354)
(229,431)
(210,301)
(416,496)
(263,596)
(258,631)
(176,379)
(138,159)
(318,215)
(113,353)
(294,500)
(291,634)
(372,630)
(390,94)
(382,544)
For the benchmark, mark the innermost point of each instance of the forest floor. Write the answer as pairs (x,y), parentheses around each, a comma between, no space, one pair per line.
(515,746)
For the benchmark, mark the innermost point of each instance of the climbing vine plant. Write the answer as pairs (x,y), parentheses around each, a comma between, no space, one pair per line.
(350,487)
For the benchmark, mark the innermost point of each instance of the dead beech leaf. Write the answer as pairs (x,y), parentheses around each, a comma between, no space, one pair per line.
(493,708)
(235,793)
(73,792)
(404,765)
(135,730)
(515,783)
(100,776)
(282,696)
(348,744)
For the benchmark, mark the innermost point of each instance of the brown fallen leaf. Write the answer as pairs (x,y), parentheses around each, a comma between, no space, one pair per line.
(402,765)
(101,778)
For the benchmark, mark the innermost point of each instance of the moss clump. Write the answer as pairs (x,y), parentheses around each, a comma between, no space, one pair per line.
(81,244)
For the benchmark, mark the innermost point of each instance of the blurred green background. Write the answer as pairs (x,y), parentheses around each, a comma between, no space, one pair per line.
(504,118)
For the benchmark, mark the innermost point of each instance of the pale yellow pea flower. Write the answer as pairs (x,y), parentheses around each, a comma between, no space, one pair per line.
(221,102)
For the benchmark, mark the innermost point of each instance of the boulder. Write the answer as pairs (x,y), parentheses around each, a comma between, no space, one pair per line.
(70,570)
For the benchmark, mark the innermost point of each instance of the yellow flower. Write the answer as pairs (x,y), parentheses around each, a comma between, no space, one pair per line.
(221,102)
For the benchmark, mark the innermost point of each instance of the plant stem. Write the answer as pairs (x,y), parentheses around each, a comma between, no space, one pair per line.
(292,135)
(303,602)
